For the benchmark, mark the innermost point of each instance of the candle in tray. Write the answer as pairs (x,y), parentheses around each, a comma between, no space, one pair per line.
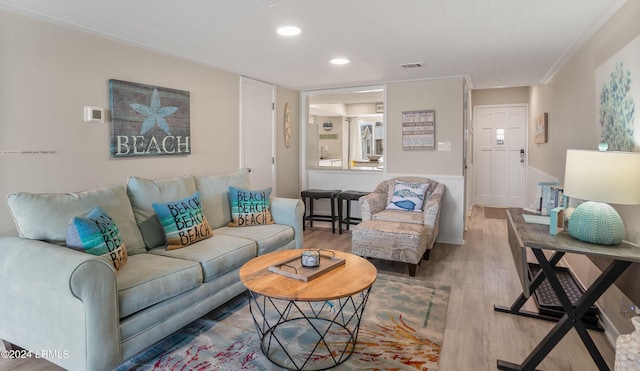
(310,258)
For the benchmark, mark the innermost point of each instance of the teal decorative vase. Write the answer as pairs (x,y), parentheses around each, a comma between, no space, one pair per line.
(596,222)
(603,147)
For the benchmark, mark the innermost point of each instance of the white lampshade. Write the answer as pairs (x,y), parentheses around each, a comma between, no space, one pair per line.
(601,178)
(611,177)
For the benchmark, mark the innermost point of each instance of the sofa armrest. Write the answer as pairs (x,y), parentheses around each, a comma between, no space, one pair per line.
(372,203)
(432,208)
(59,300)
(289,211)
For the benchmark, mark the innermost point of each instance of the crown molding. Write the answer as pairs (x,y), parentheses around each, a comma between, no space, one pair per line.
(600,17)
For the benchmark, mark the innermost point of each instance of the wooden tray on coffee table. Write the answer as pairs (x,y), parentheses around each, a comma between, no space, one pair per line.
(293,267)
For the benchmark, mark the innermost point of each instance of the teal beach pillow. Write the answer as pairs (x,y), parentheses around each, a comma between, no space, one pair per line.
(249,207)
(97,234)
(183,221)
(408,196)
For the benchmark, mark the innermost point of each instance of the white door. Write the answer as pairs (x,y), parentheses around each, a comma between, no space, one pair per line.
(500,145)
(257,127)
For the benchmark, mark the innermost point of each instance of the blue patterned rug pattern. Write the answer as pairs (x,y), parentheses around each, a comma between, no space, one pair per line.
(402,329)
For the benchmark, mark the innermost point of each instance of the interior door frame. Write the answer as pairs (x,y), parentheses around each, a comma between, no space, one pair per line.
(526,141)
(244,82)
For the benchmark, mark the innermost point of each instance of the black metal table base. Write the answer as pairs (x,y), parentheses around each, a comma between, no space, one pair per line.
(573,315)
(308,335)
(516,307)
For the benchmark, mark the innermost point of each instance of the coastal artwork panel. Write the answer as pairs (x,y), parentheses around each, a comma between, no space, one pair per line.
(617,97)
(419,129)
(148,120)
(541,123)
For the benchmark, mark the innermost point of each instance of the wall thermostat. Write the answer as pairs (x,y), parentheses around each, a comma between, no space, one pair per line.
(93,114)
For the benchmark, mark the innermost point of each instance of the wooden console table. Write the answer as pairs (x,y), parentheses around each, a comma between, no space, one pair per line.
(536,237)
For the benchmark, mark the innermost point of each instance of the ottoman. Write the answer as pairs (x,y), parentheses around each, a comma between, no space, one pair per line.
(394,241)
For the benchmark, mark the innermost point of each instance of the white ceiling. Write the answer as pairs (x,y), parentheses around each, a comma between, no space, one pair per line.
(494,43)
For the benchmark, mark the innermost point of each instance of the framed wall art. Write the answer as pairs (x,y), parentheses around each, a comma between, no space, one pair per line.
(148,120)
(419,129)
(542,127)
(617,92)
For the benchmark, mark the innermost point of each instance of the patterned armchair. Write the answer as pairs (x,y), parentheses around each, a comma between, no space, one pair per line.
(398,235)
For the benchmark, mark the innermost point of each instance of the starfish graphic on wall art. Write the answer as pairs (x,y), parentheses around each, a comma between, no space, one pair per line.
(155,113)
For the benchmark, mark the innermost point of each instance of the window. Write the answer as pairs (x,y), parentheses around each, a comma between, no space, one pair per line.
(355,139)
(500,137)
(371,138)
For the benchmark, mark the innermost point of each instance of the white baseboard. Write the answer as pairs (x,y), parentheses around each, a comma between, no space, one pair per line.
(610,331)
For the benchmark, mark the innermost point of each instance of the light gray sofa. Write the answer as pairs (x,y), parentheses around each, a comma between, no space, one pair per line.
(87,316)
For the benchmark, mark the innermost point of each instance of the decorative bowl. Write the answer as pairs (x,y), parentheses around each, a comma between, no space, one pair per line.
(374,157)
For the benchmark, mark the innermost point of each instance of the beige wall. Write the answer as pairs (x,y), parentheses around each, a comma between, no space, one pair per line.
(445,96)
(48,73)
(483,97)
(570,101)
(288,159)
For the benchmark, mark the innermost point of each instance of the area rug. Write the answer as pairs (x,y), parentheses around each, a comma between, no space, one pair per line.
(495,213)
(402,329)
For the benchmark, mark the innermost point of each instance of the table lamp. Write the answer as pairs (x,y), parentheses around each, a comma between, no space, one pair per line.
(600,178)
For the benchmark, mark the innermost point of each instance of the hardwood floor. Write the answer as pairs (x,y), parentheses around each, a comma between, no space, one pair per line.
(481,273)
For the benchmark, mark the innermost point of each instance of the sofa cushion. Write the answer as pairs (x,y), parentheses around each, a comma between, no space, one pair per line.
(249,207)
(400,242)
(400,216)
(144,192)
(214,193)
(45,216)
(97,234)
(269,237)
(183,221)
(217,255)
(148,279)
(408,196)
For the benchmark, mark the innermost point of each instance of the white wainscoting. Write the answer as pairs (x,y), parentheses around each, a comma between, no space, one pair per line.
(451,216)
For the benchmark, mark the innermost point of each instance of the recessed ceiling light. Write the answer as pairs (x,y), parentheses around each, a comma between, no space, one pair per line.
(339,61)
(289,31)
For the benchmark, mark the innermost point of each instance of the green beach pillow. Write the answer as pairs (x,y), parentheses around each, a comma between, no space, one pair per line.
(408,196)
(183,221)
(249,207)
(97,234)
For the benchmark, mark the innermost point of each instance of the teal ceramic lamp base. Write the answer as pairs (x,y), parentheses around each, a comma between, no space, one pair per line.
(596,222)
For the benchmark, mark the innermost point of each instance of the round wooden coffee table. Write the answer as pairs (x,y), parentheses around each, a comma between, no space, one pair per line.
(308,325)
